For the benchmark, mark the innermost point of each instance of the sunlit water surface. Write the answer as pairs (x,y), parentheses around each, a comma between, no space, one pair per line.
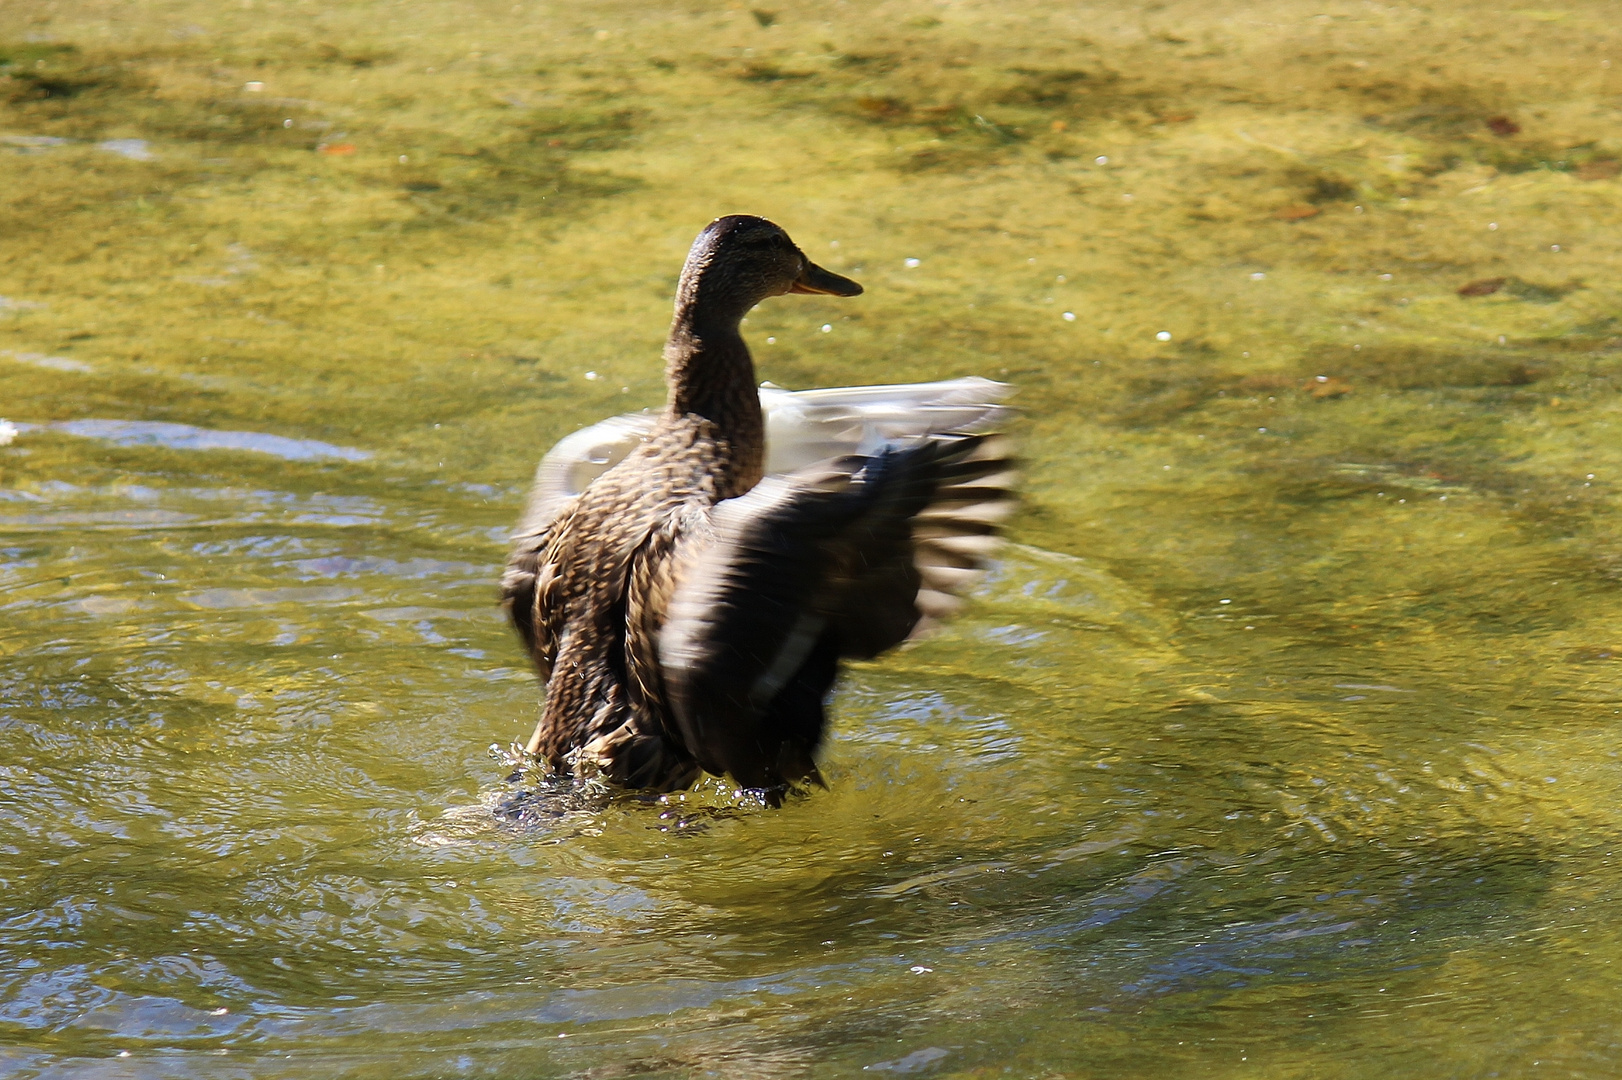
(1283,741)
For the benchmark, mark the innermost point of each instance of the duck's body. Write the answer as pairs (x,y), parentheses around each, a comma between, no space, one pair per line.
(686,616)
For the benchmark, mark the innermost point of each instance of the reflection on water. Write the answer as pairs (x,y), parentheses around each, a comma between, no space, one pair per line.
(187,437)
(1283,743)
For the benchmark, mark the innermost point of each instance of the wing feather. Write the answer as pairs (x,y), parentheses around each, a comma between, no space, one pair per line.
(803,427)
(804,569)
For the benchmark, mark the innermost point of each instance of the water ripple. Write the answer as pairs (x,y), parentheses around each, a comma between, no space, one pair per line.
(188,437)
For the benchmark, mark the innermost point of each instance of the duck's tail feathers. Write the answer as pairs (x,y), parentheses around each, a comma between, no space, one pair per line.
(635,759)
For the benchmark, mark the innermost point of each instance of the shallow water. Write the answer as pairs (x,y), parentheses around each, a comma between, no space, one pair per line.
(1283,742)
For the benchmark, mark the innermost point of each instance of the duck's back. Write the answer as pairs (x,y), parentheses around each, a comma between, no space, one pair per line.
(588,588)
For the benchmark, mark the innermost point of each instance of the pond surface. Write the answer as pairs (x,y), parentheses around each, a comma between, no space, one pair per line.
(1284,741)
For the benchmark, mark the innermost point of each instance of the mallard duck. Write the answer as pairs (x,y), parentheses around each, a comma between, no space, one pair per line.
(687,582)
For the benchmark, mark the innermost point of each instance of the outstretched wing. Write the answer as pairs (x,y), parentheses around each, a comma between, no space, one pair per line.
(571,465)
(839,560)
(526,586)
(566,470)
(802,427)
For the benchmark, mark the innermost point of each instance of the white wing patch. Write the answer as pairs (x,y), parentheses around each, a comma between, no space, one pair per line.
(803,427)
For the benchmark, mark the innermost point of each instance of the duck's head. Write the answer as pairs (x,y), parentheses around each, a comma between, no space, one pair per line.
(740,260)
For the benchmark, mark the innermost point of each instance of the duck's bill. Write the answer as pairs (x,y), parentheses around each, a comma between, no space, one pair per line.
(814,279)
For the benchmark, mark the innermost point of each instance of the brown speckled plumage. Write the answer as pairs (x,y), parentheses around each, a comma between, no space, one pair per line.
(685,616)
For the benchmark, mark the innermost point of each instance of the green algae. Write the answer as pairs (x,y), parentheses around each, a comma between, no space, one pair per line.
(1287,748)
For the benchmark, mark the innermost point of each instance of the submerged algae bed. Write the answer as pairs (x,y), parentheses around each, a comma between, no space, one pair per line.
(1286,745)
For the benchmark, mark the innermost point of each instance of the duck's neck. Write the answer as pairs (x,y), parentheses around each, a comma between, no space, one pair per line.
(710,375)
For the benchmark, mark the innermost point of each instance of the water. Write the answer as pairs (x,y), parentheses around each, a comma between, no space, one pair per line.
(1283,742)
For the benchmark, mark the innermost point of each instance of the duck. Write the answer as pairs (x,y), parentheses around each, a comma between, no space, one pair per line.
(688,582)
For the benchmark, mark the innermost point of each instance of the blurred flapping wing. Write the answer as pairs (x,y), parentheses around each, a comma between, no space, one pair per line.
(840,559)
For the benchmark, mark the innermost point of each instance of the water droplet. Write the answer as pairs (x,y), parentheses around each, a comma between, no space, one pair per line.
(1164,335)
(591,376)
(1069,316)
(910,264)
(1257,276)
(1385,277)
(771,341)
(254,87)
(1101,159)
(827,328)
(1554,247)
(1492,226)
